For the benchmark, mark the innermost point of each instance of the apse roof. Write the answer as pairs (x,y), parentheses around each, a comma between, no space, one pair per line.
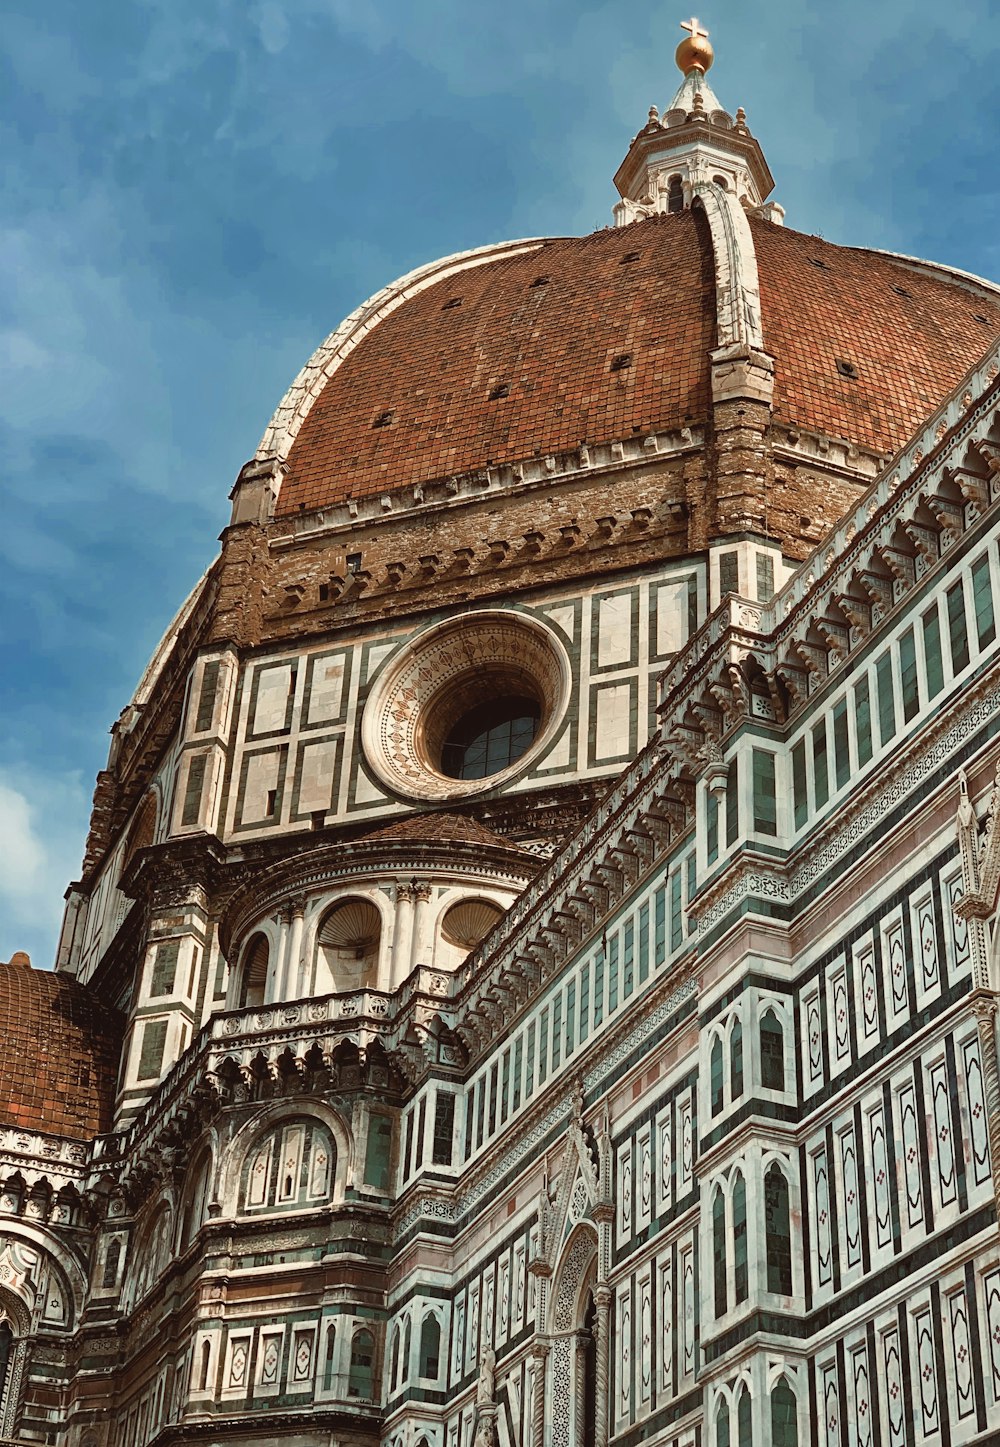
(444,828)
(58,1053)
(597,338)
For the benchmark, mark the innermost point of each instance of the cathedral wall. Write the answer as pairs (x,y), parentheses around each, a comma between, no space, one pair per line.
(294,755)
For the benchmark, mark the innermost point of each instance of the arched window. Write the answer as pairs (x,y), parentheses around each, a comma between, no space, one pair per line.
(777,1227)
(719,1252)
(722,1426)
(394,1361)
(360,1383)
(721,182)
(292,1168)
(253,977)
(736,1061)
(744,1420)
(405,1363)
(784,1425)
(328,1359)
(675,196)
(772,1052)
(111,1262)
(203,1363)
(716,1076)
(741,1284)
(430,1346)
(349,938)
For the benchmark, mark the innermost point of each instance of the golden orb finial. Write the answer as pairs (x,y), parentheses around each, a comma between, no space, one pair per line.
(694,53)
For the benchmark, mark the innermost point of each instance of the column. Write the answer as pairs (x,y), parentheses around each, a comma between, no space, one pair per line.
(402,935)
(602,1301)
(423,944)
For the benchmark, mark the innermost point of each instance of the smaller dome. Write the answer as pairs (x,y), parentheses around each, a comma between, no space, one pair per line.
(59,1052)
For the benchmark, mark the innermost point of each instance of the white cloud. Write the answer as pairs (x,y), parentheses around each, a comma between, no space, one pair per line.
(42,826)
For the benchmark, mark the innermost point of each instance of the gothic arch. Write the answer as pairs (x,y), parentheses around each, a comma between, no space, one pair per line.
(53,1259)
(269,1119)
(152,1248)
(574,1277)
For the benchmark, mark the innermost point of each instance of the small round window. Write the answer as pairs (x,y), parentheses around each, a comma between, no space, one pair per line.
(466,706)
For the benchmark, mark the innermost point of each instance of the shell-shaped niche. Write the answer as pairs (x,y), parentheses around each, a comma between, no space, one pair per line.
(467,923)
(349,938)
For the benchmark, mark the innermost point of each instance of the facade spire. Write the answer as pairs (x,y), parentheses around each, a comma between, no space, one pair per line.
(695,141)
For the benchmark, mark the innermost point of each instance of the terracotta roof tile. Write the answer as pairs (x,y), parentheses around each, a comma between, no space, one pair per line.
(433,366)
(440,828)
(58,1053)
(429,368)
(910,335)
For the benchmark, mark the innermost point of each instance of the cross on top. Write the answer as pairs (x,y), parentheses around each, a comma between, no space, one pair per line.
(695,29)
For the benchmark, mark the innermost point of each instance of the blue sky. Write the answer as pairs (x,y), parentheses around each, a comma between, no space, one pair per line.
(197,191)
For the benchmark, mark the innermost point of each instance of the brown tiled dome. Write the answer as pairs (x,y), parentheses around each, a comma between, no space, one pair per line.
(515,356)
(58,1053)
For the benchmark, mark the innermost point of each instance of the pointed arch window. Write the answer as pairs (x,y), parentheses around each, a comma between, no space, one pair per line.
(744,1420)
(741,1285)
(772,1052)
(736,1061)
(722,1426)
(404,1365)
(360,1382)
(784,1423)
(430,1347)
(777,1227)
(719,1252)
(716,1080)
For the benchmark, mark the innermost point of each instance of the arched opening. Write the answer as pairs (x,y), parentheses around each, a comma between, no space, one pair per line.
(292,1167)
(204,1360)
(404,1365)
(328,1358)
(784,1423)
(253,976)
(719,1252)
(111,1261)
(777,1227)
(360,1382)
(349,938)
(736,1061)
(744,1420)
(715,1075)
(675,194)
(394,1361)
(467,923)
(722,1425)
(772,1052)
(741,1283)
(430,1347)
